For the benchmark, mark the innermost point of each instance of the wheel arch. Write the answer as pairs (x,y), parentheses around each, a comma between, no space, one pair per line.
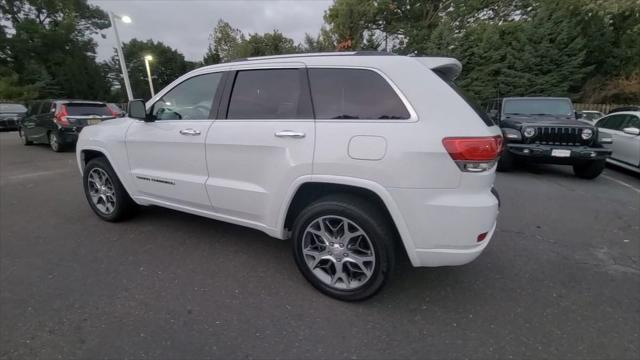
(311,188)
(88,153)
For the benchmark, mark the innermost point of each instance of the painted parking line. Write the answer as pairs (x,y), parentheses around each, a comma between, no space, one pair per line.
(620,182)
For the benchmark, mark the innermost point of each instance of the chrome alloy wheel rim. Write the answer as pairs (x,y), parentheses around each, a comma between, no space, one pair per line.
(53,141)
(101,191)
(338,252)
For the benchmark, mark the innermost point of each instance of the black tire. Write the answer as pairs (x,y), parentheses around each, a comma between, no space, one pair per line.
(506,162)
(24,139)
(54,142)
(370,220)
(124,207)
(590,169)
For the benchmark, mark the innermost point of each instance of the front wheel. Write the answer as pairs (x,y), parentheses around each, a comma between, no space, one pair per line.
(506,162)
(590,169)
(105,193)
(23,138)
(343,245)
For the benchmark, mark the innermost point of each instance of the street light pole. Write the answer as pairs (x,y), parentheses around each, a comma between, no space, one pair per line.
(148,58)
(123,66)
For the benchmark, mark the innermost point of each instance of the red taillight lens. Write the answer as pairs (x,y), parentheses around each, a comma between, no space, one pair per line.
(473,148)
(61,116)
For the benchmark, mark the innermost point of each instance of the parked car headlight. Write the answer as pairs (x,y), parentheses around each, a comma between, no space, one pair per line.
(586,134)
(529,132)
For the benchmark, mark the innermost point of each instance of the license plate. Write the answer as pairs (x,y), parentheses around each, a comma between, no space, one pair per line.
(93,121)
(560,153)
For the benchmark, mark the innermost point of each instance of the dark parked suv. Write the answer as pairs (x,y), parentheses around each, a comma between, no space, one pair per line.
(58,122)
(10,115)
(546,130)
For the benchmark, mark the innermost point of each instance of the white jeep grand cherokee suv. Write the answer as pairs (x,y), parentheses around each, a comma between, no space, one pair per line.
(346,154)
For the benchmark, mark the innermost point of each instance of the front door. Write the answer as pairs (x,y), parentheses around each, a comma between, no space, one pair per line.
(261,143)
(167,156)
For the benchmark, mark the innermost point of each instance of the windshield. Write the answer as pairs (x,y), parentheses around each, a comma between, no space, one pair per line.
(592,115)
(12,108)
(558,107)
(80,109)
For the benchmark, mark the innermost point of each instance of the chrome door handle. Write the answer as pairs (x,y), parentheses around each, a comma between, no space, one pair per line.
(290,133)
(191,132)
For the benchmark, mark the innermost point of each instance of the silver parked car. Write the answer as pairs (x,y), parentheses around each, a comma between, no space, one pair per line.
(590,116)
(624,128)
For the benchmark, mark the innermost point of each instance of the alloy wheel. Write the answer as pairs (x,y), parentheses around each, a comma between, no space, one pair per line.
(53,142)
(101,190)
(338,252)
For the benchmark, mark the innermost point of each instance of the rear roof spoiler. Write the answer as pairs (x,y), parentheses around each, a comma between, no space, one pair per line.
(447,68)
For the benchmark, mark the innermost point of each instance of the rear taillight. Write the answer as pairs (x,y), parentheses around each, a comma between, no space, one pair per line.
(474,154)
(113,112)
(60,117)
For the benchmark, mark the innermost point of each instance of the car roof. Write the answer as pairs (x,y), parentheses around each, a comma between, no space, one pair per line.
(636,113)
(536,98)
(446,66)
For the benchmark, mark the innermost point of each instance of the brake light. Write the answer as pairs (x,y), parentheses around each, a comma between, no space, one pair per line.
(474,154)
(60,117)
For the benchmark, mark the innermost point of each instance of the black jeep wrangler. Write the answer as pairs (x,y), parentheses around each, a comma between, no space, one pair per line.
(546,130)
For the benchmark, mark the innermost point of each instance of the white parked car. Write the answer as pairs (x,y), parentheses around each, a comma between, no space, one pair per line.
(346,154)
(590,116)
(624,128)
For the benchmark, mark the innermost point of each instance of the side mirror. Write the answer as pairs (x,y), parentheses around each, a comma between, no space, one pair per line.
(631,131)
(137,110)
(578,115)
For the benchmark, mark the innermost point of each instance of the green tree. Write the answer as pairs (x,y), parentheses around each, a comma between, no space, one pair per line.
(50,50)
(167,65)
(273,43)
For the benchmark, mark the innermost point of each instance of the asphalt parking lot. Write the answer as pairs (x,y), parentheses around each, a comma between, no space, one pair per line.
(561,279)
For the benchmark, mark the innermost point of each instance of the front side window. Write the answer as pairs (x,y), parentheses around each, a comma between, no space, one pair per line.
(269,94)
(613,122)
(190,100)
(354,94)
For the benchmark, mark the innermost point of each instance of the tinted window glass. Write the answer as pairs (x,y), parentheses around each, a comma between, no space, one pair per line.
(189,100)
(354,94)
(83,109)
(46,107)
(633,121)
(613,122)
(268,94)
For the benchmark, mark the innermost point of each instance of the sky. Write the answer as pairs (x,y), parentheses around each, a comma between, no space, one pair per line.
(186,24)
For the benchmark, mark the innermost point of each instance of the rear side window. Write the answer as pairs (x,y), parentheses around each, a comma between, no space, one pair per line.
(354,94)
(84,109)
(45,107)
(269,94)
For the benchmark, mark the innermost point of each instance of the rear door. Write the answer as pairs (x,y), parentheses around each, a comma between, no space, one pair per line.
(262,142)
(167,156)
(627,146)
(29,121)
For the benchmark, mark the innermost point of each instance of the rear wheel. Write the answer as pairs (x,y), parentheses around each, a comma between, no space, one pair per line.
(23,138)
(105,193)
(54,142)
(343,246)
(589,169)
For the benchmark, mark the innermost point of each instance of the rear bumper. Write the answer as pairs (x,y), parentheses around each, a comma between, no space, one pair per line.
(69,135)
(543,152)
(444,225)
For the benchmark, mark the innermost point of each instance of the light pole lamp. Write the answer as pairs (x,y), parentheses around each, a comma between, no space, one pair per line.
(123,66)
(148,58)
